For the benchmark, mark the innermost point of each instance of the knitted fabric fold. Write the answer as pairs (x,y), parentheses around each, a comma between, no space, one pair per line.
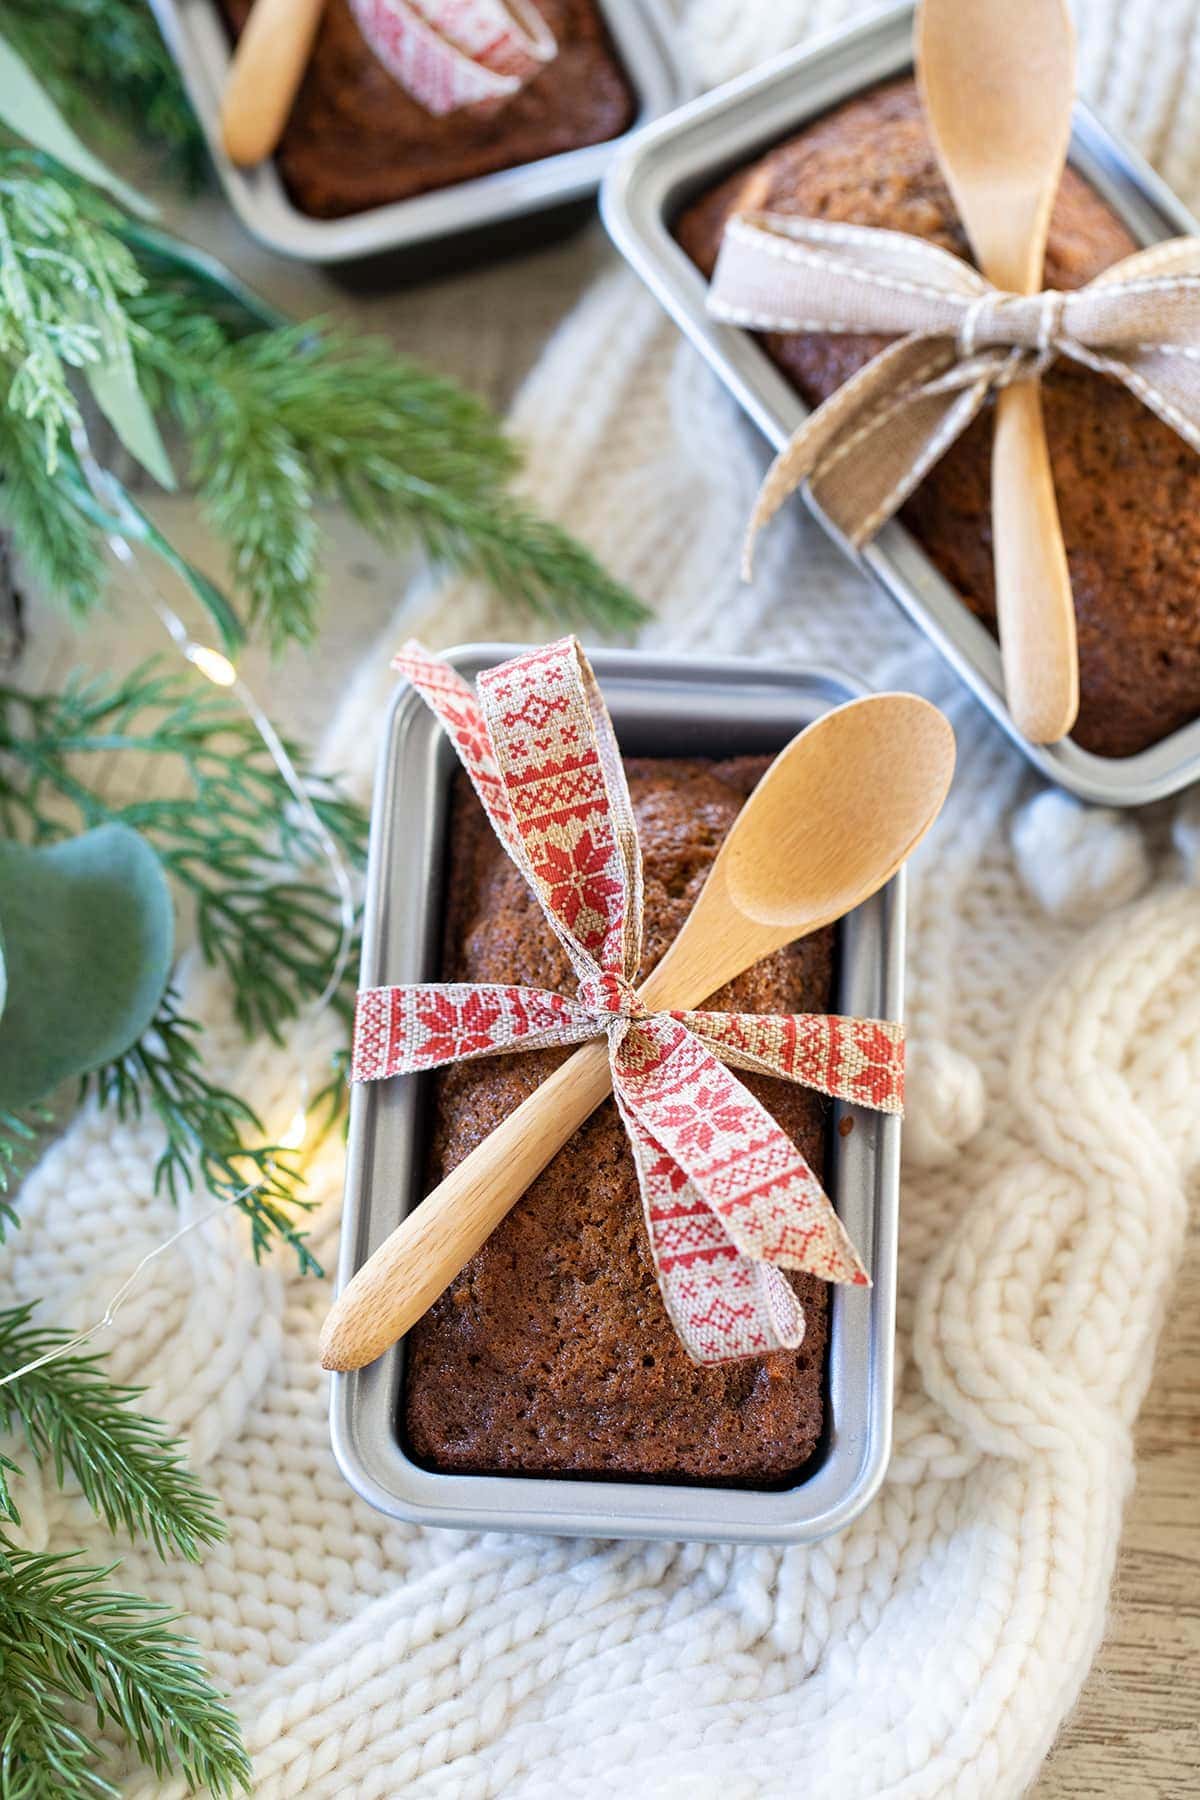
(934,1647)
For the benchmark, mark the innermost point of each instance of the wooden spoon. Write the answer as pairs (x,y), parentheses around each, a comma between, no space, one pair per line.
(998,83)
(830,822)
(268,65)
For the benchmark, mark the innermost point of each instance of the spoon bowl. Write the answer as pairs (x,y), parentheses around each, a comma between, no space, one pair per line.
(998,83)
(861,809)
(781,873)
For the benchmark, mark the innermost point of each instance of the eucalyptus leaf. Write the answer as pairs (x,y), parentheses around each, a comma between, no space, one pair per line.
(27,109)
(88,936)
(117,392)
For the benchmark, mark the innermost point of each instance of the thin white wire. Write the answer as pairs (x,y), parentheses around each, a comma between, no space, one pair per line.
(110,497)
(118,1299)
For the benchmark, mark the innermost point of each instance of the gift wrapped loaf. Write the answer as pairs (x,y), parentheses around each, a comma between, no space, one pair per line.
(552,1353)
(1128,487)
(357,140)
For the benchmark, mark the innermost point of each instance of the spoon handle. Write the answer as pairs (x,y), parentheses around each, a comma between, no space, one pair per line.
(1034,607)
(268,64)
(403,1278)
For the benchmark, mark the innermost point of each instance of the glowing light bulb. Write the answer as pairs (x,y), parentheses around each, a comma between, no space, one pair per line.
(295,1134)
(212,663)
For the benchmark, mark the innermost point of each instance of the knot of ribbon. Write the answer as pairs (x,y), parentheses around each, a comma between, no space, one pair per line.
(608,996)
(729,1202)
(453,53)
(957,339)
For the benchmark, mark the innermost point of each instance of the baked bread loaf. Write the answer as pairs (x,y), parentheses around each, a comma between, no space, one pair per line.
(356,139)
(1128,487)
(552,1354)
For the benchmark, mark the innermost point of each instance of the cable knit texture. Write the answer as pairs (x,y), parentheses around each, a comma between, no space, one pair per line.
(934,1647)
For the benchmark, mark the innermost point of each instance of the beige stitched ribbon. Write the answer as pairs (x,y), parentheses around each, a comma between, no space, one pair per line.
(869,445)
(454,53)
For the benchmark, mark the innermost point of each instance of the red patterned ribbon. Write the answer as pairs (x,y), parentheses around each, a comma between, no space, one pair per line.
(729,1200)
(452,53)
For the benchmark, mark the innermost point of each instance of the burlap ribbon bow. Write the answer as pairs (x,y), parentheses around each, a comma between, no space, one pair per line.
(729,1201)
(867,447)
(453,53)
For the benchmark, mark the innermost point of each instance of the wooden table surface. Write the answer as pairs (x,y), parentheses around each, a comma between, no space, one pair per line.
(1136,1730)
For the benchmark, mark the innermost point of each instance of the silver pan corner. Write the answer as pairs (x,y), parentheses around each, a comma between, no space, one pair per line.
(679,157)
(490,215)
(663,706)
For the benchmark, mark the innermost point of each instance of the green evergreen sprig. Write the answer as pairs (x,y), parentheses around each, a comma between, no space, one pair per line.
(65,1637)
(231,836)
(42,1755)
(212,1136)
(243,857)
(275,420)
(58,543)
(108,57)
(8,1506)
(69,1643)
(19,1134)
(130,1471)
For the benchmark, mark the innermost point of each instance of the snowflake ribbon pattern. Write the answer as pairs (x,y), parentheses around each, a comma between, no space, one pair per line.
(729,1201)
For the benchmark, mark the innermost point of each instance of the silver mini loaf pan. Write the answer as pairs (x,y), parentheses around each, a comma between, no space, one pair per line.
(669,707)
(672,162)
(491,216)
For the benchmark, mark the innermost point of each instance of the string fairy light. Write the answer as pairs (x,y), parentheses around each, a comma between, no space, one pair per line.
(77,1342)
(217,668)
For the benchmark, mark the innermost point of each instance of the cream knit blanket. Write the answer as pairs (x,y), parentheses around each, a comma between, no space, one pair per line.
(934,1647)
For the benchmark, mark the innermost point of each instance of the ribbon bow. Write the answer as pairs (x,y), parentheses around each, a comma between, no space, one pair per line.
(729,1201)
(869,445)
(452,53)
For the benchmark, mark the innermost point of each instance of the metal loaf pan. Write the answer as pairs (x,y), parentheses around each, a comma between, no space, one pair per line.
(671,162)
(671,707)
(493,215)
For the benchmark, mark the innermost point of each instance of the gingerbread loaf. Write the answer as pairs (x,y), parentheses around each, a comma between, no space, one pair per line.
(551,1353)
(356,140)
(1128,487)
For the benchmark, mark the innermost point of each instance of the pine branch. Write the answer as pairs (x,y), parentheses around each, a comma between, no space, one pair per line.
(526,559)
(68,283)
(206,1130)
(238,847)
(130,1471)
(19,1133)
(42,1756)
(276,419)
(68,279)
(109,55)
(282,419)
(8,1507)
(58,545)
(65,1636)
(234,840)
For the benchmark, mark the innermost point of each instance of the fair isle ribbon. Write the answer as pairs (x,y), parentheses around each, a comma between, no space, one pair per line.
(729,1201)
(958,338)
(453,53)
